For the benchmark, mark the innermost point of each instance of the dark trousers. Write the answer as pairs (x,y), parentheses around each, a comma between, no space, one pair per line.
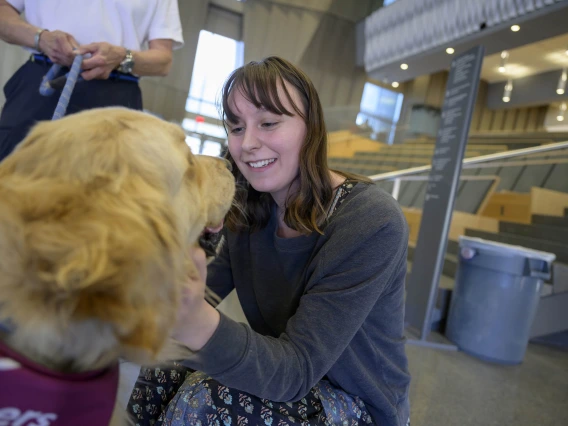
(25,106)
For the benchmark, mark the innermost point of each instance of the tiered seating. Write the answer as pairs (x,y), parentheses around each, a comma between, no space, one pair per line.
(388,158)
(521,201)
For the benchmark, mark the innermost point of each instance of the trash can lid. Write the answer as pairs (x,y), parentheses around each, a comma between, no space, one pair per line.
(501,248)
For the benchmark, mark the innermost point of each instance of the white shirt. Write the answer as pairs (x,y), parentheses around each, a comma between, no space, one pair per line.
(127,23)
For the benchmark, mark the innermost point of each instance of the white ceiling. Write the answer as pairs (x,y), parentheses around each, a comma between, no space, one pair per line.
(535,58)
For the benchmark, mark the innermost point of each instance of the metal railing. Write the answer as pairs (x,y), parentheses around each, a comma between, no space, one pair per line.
(470,162)
(397,182)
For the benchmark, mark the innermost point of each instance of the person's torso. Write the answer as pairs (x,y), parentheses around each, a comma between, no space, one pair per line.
(272,270)
(119,22)
(275,270)
(272,276)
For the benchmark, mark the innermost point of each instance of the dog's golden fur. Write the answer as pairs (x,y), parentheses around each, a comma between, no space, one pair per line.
(97,214)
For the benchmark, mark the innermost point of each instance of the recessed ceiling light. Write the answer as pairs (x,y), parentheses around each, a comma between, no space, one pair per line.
(508,90)
(404,66)
(450,50)
(395,84)
(560,118)
(515,28)
(503,61)
(560,91)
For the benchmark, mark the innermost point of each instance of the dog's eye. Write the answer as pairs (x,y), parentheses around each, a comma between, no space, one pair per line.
(228,164)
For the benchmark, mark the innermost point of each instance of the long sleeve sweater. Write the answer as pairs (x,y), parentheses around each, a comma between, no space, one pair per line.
(318,306)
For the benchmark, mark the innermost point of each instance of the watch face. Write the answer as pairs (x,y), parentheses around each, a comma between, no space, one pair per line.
(127,64)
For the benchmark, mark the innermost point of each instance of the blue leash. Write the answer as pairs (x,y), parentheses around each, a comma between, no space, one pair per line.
(50,83)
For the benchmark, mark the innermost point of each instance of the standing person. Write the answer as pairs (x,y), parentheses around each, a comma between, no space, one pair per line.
(115,33)
(318,259)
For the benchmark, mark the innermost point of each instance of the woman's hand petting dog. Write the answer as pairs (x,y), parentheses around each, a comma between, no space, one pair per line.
(197,320)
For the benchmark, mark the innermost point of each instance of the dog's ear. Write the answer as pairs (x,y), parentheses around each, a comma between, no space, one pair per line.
(68,255)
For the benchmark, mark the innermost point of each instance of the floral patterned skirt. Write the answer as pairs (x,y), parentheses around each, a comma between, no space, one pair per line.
(202,401)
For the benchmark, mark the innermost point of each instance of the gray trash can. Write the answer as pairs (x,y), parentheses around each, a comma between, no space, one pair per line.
(495,298)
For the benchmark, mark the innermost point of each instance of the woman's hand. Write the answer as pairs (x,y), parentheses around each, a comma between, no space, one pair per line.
(105,58)
(197,320)
(58,46)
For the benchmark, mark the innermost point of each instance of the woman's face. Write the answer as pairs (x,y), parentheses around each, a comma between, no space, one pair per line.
(266,146)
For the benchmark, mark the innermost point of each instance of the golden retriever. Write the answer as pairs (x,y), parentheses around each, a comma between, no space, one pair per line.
(98,211)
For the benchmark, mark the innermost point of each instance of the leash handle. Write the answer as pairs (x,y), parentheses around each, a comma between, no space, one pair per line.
(68,89)
(45,88)
(49,83)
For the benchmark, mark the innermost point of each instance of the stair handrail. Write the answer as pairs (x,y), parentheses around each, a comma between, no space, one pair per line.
(473,160)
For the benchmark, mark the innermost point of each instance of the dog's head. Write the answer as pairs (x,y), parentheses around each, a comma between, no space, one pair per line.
(97,214)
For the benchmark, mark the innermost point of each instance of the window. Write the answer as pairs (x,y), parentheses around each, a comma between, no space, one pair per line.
(211,148)
(387,2)
(380,110)
(208,147)
(215,59)
(194,144)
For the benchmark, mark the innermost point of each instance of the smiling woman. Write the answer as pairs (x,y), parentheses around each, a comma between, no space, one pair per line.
(318,259)
(277,140)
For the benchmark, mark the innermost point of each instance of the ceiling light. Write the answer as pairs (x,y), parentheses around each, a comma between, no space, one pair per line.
(561,112)
(450,50)
(503,61)
(395,84)
(515,28)
(507,91)
(404,66)
(561,88)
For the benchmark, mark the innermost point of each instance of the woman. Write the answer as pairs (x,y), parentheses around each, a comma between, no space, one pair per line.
(318,259)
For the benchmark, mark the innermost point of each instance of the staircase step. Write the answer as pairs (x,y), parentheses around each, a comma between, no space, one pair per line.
(559,277)
(450,265)
(450,262)
(539,232)
(446,283)
(454,247)
(561,222)
(560,250)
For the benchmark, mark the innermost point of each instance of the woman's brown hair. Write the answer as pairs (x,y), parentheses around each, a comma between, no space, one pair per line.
(306,209)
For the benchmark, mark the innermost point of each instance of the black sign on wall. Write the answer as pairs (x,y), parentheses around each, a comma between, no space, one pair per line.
(428,261)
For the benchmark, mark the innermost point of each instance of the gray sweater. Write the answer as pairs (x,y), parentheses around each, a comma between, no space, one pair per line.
(323,305)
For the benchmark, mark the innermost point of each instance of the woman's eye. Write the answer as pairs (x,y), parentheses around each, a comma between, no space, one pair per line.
(268,125)
(236,130)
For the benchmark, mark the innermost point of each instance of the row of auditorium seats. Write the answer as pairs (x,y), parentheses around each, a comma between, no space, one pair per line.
(520,174)
(390,158)
(496,200)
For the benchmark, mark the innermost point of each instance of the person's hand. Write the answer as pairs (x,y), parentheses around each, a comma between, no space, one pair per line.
(199,258)
(58,46)
(197,320)
(193,293)
(105,57)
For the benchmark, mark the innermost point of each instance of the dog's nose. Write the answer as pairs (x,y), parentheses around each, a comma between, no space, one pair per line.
(214,229)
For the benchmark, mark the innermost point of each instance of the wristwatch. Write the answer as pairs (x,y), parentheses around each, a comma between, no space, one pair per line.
(127,63)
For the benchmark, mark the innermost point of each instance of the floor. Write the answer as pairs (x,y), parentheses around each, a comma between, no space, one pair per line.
(455,389)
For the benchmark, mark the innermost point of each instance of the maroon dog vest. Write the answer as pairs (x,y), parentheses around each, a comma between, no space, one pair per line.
(33,395)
